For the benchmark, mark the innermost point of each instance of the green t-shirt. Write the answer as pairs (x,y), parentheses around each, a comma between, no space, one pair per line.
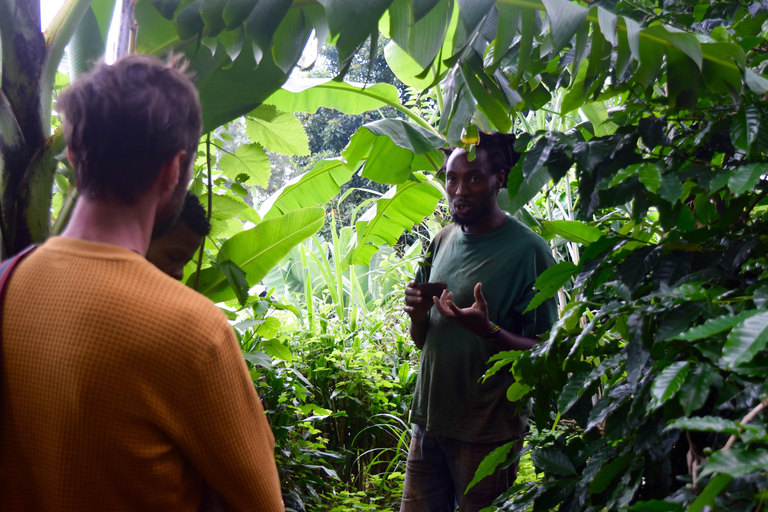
(449,399)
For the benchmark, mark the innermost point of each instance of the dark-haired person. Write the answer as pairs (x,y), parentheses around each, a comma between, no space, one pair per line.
(490,262)
(122,389)
(172,251)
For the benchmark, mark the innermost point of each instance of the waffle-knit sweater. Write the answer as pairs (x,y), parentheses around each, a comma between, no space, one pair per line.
(120,388)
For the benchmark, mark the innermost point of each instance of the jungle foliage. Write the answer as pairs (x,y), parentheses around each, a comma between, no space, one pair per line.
(648,393)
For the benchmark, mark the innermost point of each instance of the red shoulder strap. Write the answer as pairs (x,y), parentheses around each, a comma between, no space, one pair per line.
(7,268)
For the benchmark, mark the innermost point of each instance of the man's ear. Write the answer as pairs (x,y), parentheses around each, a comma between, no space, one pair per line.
(172,171)
(500,180)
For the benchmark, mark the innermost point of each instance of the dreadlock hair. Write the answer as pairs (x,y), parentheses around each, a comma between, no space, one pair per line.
(499,149)
(193,214)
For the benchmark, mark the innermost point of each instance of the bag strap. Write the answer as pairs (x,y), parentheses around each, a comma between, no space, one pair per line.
(6,269)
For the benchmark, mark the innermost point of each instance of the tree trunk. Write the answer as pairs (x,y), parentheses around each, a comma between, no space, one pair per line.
(21,129)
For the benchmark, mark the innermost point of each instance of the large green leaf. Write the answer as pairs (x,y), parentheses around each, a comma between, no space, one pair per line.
(406,135)
(757,83)
(289,40)
(86,46)
(473,11)
(402,207)
(695,390)
(707,497)
(259,249)
(393,149)
(572,391)
(715,325)
(745,126)
(507,27)
(651,55)
(387,162)
(496,111)
(264,19)
(683,92)
(683,41)
(520,190)
(609,472)
(574,231)
(706,424)
(649,175)
(246,84)
(736,462)
(718,76)
(282,134)
(554,461)
(565,18)
(353,21)
(422,39)
(250,159)
(668,382)
(224,207)
(744,178)
(550,281)
(309,94)
(746,340)
(406,68)
(313,188)
(491,461)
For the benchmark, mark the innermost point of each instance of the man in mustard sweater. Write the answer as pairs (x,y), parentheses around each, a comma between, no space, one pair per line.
(122,389)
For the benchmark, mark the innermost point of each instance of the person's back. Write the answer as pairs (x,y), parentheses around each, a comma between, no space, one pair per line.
(121,388)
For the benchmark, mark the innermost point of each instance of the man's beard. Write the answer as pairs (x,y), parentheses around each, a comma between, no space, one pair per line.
(167,217)
(476,216)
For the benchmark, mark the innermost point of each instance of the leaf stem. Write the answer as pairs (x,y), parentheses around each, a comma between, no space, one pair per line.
(746,419)
(210,206)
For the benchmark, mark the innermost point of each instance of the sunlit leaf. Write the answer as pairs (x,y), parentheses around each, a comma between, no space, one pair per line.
(250,159)
(736,462)
(283,135)
(491,461)
(695,389)
(668,382)
(706,424)
(743,179)
(309,94)
(399,209)
(259,249)
(277,350)
(574,231)
(313,188)
(746,340)
(550,281)
(649,175)
(716,485)
(715,325)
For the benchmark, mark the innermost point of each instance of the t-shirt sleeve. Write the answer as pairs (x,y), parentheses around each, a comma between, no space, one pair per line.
(226,434)
(541,319)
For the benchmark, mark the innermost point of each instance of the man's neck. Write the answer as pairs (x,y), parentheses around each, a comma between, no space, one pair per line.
(127,226)
(495,218)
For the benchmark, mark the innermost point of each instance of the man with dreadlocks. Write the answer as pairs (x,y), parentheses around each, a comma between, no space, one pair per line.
(172,251)
(490,262)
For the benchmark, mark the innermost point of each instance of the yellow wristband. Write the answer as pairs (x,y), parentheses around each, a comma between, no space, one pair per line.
(493,334)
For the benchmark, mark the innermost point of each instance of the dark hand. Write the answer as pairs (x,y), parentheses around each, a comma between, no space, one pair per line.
(474,318)
(415,305)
